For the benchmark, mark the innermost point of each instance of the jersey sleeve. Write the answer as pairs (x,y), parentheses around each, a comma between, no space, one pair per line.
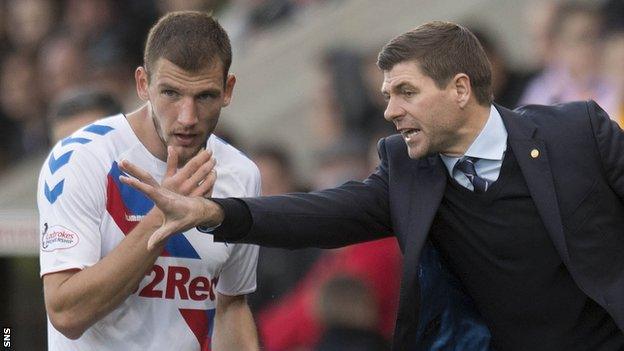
(70,198)
(238,275)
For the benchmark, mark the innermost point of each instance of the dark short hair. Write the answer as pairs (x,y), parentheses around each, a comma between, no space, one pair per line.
(442,50)
(189,39)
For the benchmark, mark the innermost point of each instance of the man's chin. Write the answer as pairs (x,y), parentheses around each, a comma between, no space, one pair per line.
(416,152)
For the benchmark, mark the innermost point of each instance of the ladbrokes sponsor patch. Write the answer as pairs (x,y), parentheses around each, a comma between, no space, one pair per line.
(58,238)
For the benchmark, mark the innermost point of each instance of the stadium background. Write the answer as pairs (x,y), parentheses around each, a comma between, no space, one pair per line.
(306,107)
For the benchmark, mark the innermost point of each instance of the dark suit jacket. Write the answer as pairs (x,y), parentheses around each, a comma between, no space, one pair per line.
(576,182)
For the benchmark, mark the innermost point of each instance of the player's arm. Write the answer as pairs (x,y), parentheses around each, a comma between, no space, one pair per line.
(353,212)
(234,325)
(75,299)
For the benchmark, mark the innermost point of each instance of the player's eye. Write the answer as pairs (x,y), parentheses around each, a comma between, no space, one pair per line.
(169,93)
(207,96)
(408,93)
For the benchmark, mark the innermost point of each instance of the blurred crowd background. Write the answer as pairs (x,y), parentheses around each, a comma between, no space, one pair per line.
(308,112)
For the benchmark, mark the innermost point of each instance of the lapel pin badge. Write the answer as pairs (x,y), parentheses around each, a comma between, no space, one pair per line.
(535,153)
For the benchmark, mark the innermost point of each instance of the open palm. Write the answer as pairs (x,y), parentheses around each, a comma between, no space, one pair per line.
(177,196)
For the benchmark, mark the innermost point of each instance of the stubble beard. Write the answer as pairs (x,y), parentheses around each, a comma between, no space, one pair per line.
(182,160)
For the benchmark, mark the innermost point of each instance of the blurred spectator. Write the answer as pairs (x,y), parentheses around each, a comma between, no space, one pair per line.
(507,84)
(613,12)
(62,61)
(5,45)
(266,13)
(292,323)
(574,73)
(76,109)
(278,270)
(349,88)
(349,101)
(540,15)
(614,70)
(348,312)
(276,169)
(21,101)
(345,160)
(165,6)
(29,22)
(111,34)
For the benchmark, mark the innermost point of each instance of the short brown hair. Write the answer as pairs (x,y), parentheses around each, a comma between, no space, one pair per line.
(442,50)
(189,39)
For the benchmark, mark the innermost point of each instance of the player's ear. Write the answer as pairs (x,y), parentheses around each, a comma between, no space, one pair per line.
(229,88)
(142,83)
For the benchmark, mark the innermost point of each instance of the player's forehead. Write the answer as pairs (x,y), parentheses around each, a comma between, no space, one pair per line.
(168,74)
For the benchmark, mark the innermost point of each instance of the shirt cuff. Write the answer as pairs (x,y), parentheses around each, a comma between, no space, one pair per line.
(236,222)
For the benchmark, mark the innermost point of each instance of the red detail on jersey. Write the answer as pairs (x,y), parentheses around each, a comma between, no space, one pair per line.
(198,321)
(116,207)
(177,277)
(150,289)
(118,210)
(178,282)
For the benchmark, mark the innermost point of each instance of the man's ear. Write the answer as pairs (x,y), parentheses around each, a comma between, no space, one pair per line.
(462,88)
(142,83)
(229,88)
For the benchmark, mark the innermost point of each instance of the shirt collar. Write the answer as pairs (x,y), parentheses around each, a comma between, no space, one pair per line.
(490,144)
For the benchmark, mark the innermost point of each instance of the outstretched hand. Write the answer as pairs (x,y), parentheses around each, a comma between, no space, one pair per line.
(180,195)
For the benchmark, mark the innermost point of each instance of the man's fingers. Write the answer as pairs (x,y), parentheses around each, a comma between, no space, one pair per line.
(172,161)
(205,188)
(146,189)
(194,163)
(203,172)
(137,172)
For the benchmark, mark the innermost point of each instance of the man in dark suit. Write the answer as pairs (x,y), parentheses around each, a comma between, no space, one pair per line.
(510,222)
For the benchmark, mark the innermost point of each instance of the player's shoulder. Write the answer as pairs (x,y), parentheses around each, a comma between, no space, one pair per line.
(93,137)
(87,148)
(231,158)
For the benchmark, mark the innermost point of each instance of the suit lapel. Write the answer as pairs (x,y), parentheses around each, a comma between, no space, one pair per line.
(426,191)
(532,157)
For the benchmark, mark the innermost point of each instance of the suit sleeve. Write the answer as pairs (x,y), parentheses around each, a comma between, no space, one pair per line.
(610,142)
(351,213)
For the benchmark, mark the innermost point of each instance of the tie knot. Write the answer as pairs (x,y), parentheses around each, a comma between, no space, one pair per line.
(466,165)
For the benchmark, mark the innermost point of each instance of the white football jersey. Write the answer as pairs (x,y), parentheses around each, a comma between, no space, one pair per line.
(85,212)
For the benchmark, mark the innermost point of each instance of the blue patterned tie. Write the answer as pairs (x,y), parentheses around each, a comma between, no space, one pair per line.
(467,166)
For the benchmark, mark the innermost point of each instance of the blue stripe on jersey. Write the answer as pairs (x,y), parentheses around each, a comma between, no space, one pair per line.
(71,140)
(56,163)
(211,314)
(139,204)
(136,202)
(53,194)
(179,246)
(98,129)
